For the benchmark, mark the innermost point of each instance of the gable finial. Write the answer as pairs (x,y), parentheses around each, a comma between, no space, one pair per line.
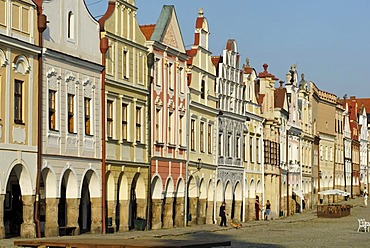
(200,12)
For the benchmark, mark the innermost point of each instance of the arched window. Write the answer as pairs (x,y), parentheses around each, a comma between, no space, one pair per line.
(71,25)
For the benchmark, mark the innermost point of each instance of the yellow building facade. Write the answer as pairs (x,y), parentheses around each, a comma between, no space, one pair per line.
(19,53)
(126,100)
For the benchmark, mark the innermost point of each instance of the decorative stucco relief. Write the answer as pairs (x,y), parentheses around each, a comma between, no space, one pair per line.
(19,135)
(53,139)
(169,37)
(232,176)
(89,143)
(72,142)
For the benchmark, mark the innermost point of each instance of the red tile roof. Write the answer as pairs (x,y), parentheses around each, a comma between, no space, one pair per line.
(191,53)
(147,30)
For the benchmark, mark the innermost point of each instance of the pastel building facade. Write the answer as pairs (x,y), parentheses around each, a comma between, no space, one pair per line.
(71,120)
(230,131)
(169,113)
(201,74)
(127,130)
(269,157)
(19,68)
(253,170)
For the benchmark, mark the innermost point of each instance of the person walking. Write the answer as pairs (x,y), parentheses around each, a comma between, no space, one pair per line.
(223,214)
(268,209)
(365,199)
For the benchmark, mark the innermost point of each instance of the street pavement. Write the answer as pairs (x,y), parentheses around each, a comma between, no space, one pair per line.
(298,230)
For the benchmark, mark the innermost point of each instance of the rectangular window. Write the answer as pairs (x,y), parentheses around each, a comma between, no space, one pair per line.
(157,71)
(220,146)
(170,123)
(180,130)
(70,113)
(257,150)
(170,79)
(201,138)
(192,135)
(52,110)
(209,139)
(228,146)
(110,119)
(251,149)
(237,147)
(18,102)
(157,125)
(124,121)
(138,124)
(202,89)
(124,64)
(244,148)
(87,104)
(180,79)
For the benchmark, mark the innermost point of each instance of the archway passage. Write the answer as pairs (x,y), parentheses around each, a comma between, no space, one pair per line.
(13,207)
(137,204)
(62,206)
(84,220)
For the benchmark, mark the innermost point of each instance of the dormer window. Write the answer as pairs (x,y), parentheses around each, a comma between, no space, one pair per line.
(71,25)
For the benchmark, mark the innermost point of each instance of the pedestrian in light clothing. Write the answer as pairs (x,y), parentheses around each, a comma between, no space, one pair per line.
(366,196)
(223,214)
(268,209)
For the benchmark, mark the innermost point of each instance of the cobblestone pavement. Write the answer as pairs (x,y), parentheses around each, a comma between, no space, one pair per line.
(299,230)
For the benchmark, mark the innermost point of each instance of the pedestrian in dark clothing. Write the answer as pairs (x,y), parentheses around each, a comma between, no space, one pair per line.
(268,209)
(223,214)
(257,206)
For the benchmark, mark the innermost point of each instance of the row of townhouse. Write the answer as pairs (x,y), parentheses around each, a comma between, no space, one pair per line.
(108,126)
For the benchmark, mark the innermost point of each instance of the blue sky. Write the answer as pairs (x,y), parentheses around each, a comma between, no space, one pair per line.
(329,40)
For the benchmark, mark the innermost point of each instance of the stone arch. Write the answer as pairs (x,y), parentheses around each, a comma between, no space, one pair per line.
(192,187)
(170,187)
(219,192)
(180,188)
(157,187)
(259,187)
(19,191)
(122,187)
(50,183)
(210,192)
(69,178)
(23,176)
(228,191)
(93,180)
(202,189)
(238,192)
(110,187)
(121,216)
(21,64)
(252,189)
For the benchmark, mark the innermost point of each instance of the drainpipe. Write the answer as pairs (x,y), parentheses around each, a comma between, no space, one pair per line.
(287,171)
(187,154)
(103,49)
(41,26)
(150,63)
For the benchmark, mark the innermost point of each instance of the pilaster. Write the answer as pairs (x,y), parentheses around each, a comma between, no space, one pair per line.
(28,227)
(51,218)
(96,215)
(156,214)
(167,213)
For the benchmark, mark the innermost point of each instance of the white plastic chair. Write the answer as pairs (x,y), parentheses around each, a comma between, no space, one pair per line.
(363,225)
